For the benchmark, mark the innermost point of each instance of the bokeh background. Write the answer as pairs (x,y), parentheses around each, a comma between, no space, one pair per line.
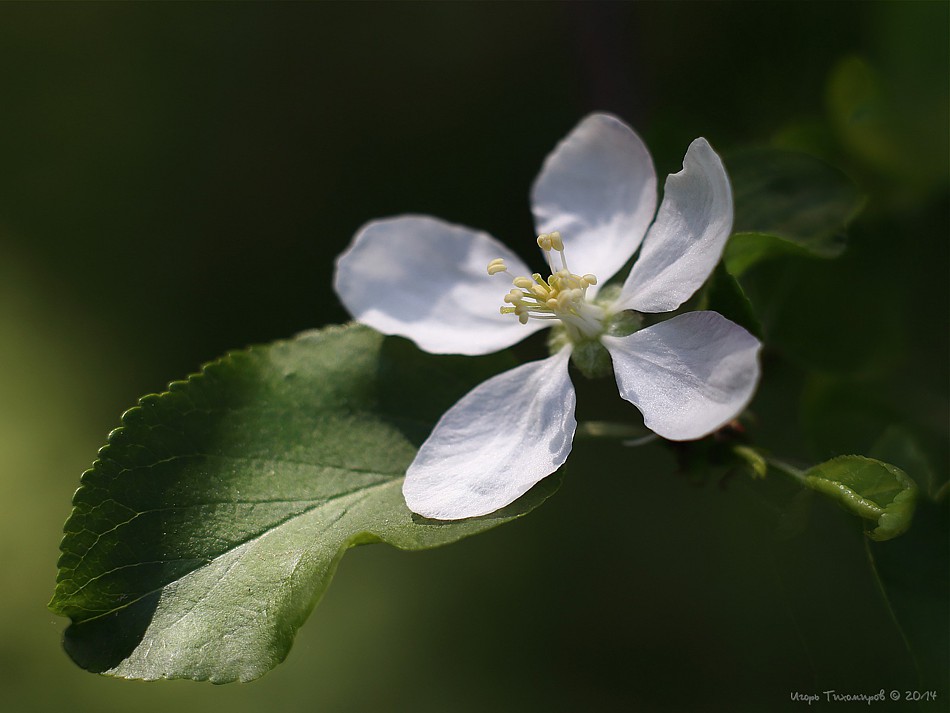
(176,179)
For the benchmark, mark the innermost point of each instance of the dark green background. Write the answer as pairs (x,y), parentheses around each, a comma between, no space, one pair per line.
(176,179)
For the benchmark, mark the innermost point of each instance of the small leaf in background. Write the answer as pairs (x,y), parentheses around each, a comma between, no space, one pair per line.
(859,114)
(830,315)
(786,203)
(873,119)
(722,293)
(215,517)
(873,490)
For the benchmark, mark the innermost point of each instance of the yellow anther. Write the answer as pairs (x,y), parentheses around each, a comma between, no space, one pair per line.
(562,296)
(497,265)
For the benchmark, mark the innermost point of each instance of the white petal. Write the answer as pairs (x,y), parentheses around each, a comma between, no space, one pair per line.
(490,448)
(689,375)
(425,279)
(598,189)
(687,239)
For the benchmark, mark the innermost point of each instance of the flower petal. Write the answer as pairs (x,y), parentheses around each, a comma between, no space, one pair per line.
(425,279)
(687,239)
(689,375)
(598,189)
(499,440)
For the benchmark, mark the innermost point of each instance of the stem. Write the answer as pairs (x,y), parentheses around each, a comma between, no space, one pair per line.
(614,431)
(787,469)
(890,609)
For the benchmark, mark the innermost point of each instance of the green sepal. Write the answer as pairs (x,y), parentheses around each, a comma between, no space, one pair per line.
(592,359)
(625,323)
(589,356)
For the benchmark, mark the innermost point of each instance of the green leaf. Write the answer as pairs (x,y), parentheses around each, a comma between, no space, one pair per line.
(215,517)
(744,250)
(723,294)
(871,489)
(786,203)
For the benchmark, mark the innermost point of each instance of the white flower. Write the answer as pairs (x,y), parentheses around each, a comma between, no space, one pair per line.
(593,202)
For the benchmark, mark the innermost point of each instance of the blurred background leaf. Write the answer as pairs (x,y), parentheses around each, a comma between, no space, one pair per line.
(786,203)
(177,178)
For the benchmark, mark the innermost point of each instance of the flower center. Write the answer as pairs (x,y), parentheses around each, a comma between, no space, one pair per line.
(562,296)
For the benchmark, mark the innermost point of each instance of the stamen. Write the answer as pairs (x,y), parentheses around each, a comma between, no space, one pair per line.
(562,296)
(497,265)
